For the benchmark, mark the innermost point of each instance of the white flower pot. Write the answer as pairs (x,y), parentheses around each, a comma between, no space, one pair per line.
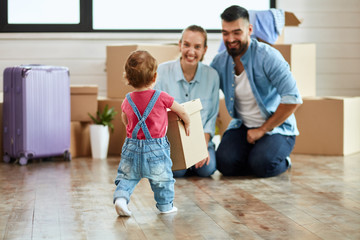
(99,140)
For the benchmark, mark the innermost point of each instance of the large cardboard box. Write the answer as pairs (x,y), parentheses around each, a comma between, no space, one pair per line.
(302,60)
(116,56)
(117,137)
(328,126)
(83,101)
(186,151)
(80,139)
(223,119)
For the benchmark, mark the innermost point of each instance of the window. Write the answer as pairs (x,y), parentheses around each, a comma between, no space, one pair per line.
(45,15)
(116,15)
(43,12)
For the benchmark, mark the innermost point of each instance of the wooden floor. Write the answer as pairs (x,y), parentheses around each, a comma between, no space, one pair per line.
(318,199)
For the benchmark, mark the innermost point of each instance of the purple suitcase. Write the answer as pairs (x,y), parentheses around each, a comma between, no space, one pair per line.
(36,112)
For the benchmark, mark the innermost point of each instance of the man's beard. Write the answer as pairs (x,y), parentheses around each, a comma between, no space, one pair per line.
(234,52)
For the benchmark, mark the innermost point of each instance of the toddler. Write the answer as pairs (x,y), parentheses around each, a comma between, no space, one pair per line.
(146,150)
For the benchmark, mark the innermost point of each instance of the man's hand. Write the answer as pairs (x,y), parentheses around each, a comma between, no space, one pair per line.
(280,115)
(254,135)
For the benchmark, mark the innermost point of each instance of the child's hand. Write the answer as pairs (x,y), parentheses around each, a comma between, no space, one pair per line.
(180,111)
(187,128)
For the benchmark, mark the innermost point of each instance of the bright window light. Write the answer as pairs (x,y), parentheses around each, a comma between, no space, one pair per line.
(43,11)
(164,14)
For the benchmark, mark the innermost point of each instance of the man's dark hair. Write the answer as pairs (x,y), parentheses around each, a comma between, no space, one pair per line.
(233,13)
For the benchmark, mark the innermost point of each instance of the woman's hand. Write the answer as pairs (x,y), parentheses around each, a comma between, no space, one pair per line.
(202,162)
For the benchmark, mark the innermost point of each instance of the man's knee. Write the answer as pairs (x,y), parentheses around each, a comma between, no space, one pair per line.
(265,165)
(179,173)
(225,164)
(206,170)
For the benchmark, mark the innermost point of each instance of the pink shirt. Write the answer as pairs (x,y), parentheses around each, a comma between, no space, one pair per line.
(157,120)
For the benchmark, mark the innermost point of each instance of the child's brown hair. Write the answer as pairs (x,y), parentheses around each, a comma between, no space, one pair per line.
(140,69)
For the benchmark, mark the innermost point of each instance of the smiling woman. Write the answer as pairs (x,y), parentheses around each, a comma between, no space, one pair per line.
(114,15)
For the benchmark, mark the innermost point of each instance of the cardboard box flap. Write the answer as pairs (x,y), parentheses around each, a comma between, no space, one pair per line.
(140,45)
(84,89)
(340,97)
(192,106)
(329,97)
(291,19)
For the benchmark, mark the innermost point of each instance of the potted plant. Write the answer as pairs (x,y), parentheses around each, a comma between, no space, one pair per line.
(99,131)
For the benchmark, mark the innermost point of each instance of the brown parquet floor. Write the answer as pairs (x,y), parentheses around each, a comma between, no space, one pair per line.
(319,198)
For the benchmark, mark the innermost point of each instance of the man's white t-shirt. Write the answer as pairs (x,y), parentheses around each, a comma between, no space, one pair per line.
(245,103)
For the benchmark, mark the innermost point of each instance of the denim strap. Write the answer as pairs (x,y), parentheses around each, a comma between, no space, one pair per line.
(141,124)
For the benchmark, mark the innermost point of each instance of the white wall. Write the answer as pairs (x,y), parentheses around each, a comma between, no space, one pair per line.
(333,25)
(83,53)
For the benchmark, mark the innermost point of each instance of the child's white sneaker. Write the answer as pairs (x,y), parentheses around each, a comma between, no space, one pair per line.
(121,207)
(174,209)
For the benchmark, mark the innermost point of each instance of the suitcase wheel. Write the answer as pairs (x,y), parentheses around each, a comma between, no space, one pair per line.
(23,160)
(67,156)
(6,158)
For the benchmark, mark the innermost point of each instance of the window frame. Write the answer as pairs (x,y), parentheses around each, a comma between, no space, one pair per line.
(85,24)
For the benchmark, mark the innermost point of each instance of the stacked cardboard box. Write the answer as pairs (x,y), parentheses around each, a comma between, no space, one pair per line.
(83,101)
(80,139)
(302,60)
(324,123)
(223,119)
(291,20)
(116,56)
(328,126)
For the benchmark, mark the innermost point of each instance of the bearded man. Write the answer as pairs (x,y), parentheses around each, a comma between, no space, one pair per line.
(260,95)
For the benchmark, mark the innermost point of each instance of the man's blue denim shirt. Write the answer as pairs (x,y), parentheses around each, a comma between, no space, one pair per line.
(270,79)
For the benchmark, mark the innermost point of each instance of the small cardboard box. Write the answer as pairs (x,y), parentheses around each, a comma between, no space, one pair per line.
(83,101)
(186,151)
(117,137)
(80,139)
(223,119)
(328,126)
(291,20)
(116,56)
(302,60)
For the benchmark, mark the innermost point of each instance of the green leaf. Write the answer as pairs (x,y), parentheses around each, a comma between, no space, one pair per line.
(105,117)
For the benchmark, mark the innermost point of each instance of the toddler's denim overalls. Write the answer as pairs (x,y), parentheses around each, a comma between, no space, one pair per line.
(148,158)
